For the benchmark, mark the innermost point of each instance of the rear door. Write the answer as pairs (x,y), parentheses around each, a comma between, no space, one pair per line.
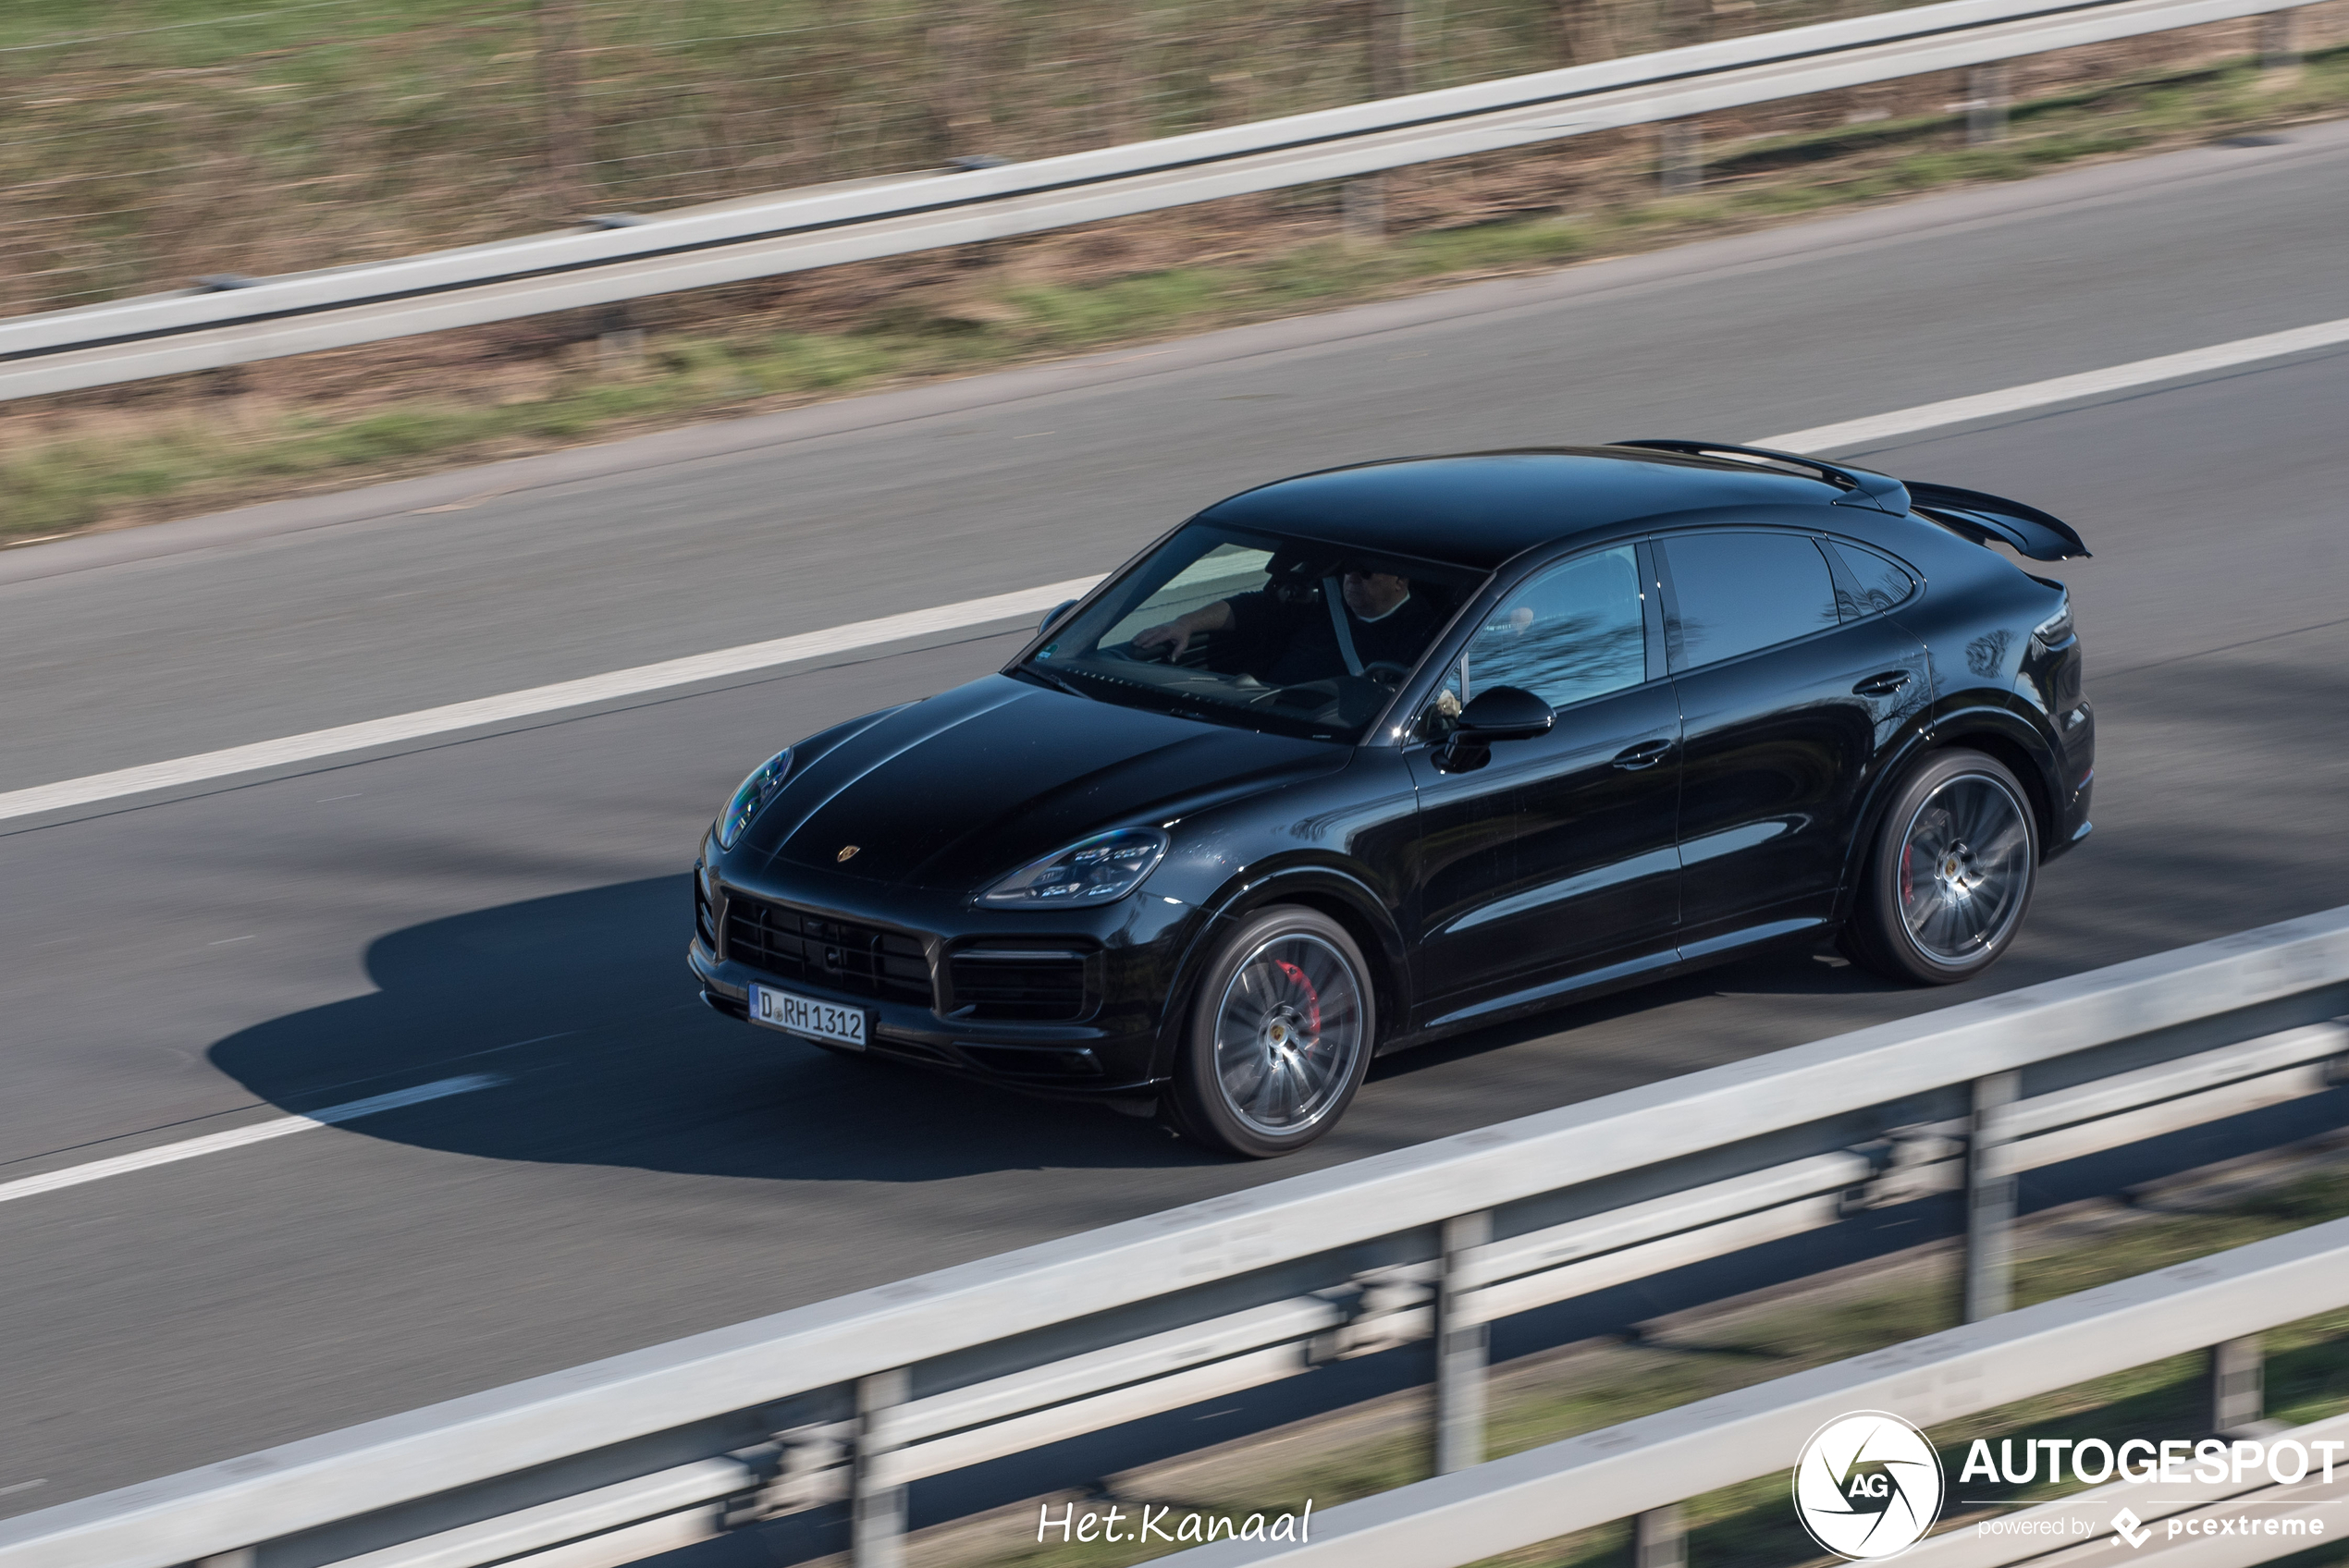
(1558,856)
(1789,695)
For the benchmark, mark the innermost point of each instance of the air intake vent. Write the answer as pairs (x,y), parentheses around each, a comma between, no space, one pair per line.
(791,944)
(1026,985)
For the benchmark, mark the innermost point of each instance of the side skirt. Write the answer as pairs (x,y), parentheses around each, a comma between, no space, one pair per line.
(1644,970)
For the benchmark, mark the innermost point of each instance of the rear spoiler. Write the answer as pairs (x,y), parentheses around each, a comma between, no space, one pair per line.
(1968,513)
(1984,518)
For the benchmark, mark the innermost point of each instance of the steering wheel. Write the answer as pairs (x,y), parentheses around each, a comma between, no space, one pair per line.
(1387,672)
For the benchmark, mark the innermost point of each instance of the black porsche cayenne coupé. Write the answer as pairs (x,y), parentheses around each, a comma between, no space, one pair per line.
(1372,756)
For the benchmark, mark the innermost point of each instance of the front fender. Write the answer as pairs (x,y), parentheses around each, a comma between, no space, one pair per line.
(1343,892)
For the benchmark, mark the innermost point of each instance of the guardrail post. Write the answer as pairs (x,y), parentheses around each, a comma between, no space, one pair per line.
(620,342)
(877,1512)
(1989,1199)
(2280,44)
(1659,1539)
(1986,109)
(1460,1350)
(1362,200)
(1680,157)
(2238,1384)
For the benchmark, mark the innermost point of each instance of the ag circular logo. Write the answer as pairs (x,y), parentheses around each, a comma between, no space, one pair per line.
(1868,1485)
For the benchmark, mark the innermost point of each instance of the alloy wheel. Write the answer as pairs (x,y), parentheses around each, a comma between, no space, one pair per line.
(1965,868)
(1287,1034)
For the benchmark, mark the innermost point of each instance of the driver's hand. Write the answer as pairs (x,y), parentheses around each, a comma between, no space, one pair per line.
(1174,636)
(1447,702)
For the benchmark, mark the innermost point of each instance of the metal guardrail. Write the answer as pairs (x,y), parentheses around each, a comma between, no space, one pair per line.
(266,318)
(854,1399)
(1648,1464)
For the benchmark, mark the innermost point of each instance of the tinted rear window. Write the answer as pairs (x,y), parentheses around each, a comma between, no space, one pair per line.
(1734,592)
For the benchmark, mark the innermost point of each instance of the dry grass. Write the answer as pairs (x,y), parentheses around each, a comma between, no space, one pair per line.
(117,457)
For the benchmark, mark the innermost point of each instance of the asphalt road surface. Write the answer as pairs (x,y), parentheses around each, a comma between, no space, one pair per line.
(515,904)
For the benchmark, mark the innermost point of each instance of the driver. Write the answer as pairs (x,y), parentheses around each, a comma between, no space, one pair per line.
(1287,641)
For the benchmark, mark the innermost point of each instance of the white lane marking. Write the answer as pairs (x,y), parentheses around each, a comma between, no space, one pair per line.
(237,1137)
(538,700)
(2063,388)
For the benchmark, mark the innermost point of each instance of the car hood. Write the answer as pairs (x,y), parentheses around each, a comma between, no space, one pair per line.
(971,785)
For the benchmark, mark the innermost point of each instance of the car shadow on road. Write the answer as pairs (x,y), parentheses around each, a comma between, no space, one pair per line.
(583,1004)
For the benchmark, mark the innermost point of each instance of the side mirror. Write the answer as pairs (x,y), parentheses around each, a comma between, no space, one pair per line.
(1498,713)
(1055,614)
(1506,712)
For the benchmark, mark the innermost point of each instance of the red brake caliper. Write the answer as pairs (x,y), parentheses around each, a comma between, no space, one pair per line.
(1313,998)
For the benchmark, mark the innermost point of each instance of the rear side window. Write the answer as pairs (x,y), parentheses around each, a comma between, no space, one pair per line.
(1865,583)
(1734,592)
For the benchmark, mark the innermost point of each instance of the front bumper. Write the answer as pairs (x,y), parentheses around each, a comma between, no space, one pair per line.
(1115,1047)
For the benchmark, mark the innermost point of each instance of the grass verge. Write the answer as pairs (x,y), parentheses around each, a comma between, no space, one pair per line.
(147,459)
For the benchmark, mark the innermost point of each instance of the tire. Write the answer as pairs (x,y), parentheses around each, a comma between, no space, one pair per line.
(1949,874)
(1279,1036)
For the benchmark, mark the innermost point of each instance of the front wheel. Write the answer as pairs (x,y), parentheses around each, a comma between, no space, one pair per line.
(1949,876)
(1279,1038)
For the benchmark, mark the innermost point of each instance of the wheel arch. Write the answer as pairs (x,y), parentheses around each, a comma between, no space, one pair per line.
(1997,734)
(2011,741)
(1328,891)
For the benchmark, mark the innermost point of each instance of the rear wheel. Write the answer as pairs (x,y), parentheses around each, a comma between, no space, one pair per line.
(1949,876)
(1279,1037)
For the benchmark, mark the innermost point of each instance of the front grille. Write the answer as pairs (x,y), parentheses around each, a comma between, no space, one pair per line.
(1014,984)
(836,954)
(702,926)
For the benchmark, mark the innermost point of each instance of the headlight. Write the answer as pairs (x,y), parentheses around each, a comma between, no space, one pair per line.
(752,798)
(1092,871)
(2056,631)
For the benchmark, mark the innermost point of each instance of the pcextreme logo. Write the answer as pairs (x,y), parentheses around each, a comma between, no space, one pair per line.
(1868,1485)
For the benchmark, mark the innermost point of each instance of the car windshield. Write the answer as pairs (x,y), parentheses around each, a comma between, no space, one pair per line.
(1293,636)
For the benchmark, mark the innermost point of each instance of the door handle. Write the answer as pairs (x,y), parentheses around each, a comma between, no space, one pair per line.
(1647,753)
(1883,685)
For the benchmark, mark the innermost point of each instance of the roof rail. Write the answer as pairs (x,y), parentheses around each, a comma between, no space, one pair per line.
(1876,490)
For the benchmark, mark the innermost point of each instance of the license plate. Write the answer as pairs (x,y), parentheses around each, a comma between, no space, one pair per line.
(805,1015)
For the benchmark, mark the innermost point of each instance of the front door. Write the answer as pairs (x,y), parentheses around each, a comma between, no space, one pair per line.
(1556,856)
(1787,702)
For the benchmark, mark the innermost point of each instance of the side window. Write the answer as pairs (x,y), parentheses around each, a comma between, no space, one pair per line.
(1865,583)
(1570,633)
(1734,592)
